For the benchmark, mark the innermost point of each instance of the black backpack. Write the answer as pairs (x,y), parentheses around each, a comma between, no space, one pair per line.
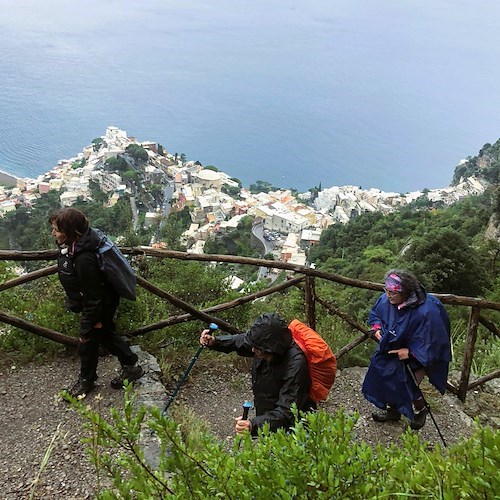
(116,268)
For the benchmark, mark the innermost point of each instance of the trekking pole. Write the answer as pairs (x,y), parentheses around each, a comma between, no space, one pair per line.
(412,375)
(246,408)
(170,400)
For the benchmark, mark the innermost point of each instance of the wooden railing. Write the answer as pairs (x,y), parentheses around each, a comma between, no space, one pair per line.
(301,276)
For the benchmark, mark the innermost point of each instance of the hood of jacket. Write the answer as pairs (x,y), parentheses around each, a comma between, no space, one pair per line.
(90,241)
(270,333)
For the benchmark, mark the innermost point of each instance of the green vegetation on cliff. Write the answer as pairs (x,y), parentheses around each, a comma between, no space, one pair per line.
(444,247)
(486,164)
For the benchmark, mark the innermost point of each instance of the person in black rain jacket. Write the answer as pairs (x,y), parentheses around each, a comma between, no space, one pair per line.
(88,293)
(280,373)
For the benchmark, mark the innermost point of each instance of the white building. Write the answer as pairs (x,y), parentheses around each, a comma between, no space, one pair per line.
(7,206)
(68,198)
(208,179)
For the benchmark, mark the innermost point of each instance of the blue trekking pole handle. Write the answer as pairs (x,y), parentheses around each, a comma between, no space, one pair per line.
(247,405)
(212,327)
(246,408)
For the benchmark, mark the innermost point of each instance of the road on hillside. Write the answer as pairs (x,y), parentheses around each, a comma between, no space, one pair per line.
(258,232)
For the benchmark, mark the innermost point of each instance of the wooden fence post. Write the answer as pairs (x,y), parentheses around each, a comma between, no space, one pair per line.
(311,302)
(469,352)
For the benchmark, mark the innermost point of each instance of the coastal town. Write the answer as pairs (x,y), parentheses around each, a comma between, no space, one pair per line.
(286,223)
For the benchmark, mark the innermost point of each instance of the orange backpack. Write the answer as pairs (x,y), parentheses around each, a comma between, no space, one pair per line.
(320,358)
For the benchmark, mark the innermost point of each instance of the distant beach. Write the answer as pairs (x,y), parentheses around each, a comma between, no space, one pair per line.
(7,179)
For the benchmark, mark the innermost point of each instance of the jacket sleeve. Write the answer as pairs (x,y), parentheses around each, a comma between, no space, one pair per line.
(87,271)
(233,343)
(295,389)
(375,317)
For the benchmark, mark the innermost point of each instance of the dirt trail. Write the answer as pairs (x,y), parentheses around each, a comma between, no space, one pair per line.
(32,414)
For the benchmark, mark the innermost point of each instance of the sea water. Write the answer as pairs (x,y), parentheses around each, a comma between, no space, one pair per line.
(384,93)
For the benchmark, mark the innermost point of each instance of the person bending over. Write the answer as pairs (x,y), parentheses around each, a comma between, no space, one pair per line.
(280,374)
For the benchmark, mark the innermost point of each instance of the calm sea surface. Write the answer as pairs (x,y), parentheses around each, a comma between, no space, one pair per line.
(386,93)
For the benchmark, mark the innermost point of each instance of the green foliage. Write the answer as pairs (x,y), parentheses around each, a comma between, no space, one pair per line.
(130,175)
(319,458)
(233,191)
(79,164)
(236,242)
(24,302)
(116,163)
(28,229)
(171,230)
(444,247)
(445,262)
(314,192)
(23,228)
(97,142)
(486,164)
(137,152)
(262,187)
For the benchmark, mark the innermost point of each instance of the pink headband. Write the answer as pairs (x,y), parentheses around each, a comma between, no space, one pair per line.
(393,283)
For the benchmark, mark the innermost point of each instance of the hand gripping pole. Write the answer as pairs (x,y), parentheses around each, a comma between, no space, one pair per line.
(171,398)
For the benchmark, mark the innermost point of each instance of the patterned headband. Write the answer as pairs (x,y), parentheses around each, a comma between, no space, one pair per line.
(393,283)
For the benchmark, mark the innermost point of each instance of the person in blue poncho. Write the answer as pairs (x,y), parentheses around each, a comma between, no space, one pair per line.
(413,331)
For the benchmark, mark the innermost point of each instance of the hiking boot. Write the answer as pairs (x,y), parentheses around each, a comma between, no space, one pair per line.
(388,415)
(419,418)
(81,388)
(130,373)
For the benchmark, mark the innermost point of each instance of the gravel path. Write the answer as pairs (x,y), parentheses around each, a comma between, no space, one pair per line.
(220,398)
(32,414)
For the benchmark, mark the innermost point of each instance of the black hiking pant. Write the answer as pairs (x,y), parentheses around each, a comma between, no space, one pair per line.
(106,336)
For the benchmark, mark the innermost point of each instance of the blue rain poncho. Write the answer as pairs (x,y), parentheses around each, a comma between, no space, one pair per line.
(424,328)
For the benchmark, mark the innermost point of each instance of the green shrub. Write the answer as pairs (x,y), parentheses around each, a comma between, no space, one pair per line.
(319,458)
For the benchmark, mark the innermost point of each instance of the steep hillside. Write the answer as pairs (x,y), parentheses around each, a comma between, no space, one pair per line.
(486,165)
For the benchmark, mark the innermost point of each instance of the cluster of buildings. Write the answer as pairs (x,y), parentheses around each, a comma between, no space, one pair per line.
(347,202)
(299,220)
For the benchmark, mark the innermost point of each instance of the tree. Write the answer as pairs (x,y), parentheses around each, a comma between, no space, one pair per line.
(173,227)
(116,164)
(137,152)
(233,191)
(130,175)
(446,263)
(261,187)
(97,143)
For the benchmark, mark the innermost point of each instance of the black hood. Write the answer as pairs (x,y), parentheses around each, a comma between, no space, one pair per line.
(270,333)
(90,241)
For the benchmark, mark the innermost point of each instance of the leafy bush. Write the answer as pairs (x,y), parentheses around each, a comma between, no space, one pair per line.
(318,458)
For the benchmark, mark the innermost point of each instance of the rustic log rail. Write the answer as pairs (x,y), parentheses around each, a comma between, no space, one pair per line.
(305,280)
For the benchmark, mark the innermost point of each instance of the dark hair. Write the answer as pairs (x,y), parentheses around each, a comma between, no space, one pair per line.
(409,283)
(70,221)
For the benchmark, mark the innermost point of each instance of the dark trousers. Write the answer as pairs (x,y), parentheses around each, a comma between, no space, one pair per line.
(111,341)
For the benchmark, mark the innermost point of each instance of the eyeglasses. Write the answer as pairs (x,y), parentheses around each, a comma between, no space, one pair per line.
(391,293)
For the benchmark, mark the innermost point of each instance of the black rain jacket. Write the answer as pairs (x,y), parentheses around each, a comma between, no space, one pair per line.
(87,291)
(276,384)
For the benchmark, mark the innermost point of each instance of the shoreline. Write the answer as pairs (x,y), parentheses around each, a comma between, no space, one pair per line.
(7,179)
